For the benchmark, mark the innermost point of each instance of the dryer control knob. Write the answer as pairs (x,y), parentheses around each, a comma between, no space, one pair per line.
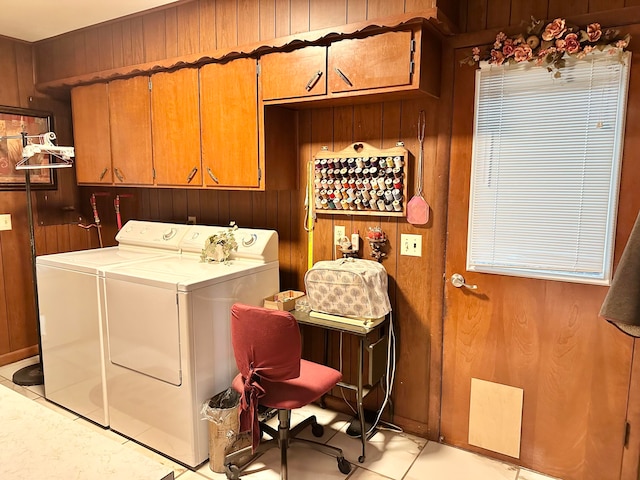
(169,234)
(249,240)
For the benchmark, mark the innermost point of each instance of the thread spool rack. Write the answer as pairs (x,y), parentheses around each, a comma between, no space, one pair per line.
(361,180)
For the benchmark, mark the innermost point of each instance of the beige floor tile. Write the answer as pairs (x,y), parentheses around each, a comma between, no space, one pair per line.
(525,474)
(387,453)
(189,475)
(441,462)
(206,472)
(56,408)
(103,431)
(330,420)
(7,371)
(21,390)
(176,467)
(363,474)
(304,464)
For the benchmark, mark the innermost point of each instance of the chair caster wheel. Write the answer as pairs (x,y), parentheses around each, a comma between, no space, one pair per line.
(344,466)
(232,472)
(317,430)
(361,458)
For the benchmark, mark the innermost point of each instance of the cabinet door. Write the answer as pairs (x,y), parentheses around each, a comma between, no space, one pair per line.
(91,135)
(175,118)
(300,73)
(374,62)
(130,120)
(229,113)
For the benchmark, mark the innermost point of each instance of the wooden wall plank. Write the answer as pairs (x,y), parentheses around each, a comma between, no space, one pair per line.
(267,19)
(105,53)
(24,68)
(299,16)
(188,28)
(5,345)
(249,27)
(327,13)
(499,13)
(226,24)
(92,47)
(521,12)
(476,15)
(179,204)
(283,16)
(154,31)
(384,8)
(9,94)
(207,18)
(137,40)
(567,8)
(118,48)
(240,207)
(356,11)
(423,5)
(171,31)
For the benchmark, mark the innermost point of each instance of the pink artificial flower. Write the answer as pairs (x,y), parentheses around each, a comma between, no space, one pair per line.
(508,48)
(522,53)
(572,45)
(497,58)
(593,32)
(554,30)
(475,54)
(501,37)
(560,45)
(621,44)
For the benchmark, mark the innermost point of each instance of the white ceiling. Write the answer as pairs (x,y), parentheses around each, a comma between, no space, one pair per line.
(33,20)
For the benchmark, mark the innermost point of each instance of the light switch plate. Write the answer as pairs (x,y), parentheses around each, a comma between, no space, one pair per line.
(411,245)
(5,221)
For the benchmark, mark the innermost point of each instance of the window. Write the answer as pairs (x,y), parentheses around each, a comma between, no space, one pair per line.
(546,169)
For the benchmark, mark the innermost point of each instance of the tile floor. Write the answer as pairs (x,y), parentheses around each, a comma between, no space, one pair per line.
(390,455)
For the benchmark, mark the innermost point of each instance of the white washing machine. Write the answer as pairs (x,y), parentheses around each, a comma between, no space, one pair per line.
(168,324)
(71,301)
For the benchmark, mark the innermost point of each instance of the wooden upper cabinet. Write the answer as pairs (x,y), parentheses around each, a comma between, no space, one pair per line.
(175,118)
(379,61)
(91,133)
(130,122)
(299,73)
(229,116)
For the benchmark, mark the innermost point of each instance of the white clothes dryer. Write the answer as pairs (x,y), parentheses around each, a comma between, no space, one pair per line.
(72,324)
(168,324)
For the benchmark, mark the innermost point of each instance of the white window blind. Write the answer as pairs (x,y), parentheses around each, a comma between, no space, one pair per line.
(546,169)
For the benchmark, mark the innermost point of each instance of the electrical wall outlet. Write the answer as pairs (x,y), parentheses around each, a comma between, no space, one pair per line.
(5,221)
(191,220)
(411,245)
(338,233)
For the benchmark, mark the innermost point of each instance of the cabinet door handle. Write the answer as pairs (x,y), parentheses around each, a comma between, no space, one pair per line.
(213,177)
(192,174)
(312,82)
(118,174)
(343,77)
(104,172)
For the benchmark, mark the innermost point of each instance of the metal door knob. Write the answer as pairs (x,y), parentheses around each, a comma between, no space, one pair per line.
(457,281)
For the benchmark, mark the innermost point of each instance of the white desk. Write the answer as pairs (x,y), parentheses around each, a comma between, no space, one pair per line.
(40,443)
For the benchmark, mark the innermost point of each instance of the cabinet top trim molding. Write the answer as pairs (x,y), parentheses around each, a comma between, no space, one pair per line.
(433,17)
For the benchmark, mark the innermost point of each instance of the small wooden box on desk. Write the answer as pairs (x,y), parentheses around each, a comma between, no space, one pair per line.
(370,341)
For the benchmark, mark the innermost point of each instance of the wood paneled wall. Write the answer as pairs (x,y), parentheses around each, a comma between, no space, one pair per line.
(18,337)
(415,284)
(196,26)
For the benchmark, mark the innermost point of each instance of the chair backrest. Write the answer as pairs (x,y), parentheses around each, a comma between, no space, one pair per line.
(268,340)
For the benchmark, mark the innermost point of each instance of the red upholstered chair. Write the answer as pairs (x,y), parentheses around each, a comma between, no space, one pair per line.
(266,345)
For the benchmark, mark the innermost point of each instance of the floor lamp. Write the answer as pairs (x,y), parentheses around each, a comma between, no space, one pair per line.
(33,145)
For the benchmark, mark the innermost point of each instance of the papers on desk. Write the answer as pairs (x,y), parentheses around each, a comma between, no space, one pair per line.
(359,322)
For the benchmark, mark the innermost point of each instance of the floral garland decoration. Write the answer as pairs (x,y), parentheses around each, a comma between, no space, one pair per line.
(547,45)
(218,247)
